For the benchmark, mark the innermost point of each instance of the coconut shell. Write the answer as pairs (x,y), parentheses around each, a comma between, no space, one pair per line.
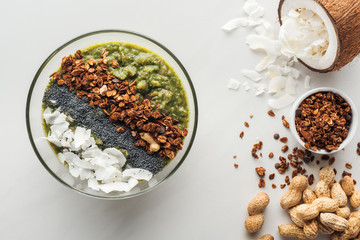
(345,15)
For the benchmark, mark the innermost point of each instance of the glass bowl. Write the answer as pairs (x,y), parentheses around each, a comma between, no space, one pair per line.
(34,111)
(353,125)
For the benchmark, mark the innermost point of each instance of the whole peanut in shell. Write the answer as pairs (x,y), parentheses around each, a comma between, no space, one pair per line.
(258,204)
(355,199)
(334,221)
(265,237)
(343,212)
(254,223)
(348,186)
(291,230)
(311,228)
(338,193)
(293,196)
(308,195)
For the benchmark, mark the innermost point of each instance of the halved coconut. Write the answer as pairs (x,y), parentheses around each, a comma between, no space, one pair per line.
(323,34)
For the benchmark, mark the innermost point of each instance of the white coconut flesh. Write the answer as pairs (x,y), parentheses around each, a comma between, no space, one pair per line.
(308,33)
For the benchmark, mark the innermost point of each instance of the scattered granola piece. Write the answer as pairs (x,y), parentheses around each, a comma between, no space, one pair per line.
(282,186)
(311,179)
(317,162)
(251,116)
(260,171)
(236,165)
(234,157)
(285,148)
(261,183)
(271,155)
(271,113)
(331,160)
(246,124)
(242,134)
(284,139)
(273,186)
(286,123)
(272,176)
(348,166)
(358,151)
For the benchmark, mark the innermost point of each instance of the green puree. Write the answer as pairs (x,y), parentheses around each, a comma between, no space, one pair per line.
(153,76)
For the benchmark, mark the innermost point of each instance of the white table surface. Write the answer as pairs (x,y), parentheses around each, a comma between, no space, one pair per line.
(207,197)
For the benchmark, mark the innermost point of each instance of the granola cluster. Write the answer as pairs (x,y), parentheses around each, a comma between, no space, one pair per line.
(92,81)
(323,121)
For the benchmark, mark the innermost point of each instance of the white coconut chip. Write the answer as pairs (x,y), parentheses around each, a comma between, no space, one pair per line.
(87,162)
(290,87)
(235,23)
(271,47)
(138,173)
(252,75)
(281,102)
(253,9)
(307,82)
(276,84)
(233,84)
(49,116)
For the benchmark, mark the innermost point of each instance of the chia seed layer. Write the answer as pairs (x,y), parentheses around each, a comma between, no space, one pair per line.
(95,119)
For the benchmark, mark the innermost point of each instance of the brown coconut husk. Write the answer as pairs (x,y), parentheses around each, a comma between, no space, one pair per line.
(345,15)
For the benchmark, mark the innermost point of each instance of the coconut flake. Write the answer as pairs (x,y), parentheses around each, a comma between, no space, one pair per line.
(87,162)
(276,84)
(281,102)
(290,87)
(233,84)
(253,9)
(138,173)
(271,47)
(252,75)
(235,23)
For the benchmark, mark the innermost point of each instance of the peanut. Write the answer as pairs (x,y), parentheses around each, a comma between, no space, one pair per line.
(295,217)
(354,225)
(347,185)
(266,237)
(355,199)
(338,193)
(291,230)
(322,189)
(343,212)
(326,204)
(327,175)
(254,223)
(333,221)
(258,204)
(308,195)
(293,196)
(311,211)
(324,229)
(311,229)
(353,230)
(308,211)
(327,178)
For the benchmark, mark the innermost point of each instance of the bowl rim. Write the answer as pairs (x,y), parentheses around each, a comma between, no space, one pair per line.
(35,78)
(353,125)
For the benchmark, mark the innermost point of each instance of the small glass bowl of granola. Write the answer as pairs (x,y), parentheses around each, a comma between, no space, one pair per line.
(323,120)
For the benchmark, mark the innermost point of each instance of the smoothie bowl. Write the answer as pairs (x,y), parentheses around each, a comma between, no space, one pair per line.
(111,114)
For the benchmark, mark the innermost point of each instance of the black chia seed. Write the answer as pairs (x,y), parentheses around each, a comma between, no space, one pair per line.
(95,119)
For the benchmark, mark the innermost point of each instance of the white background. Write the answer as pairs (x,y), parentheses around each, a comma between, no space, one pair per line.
(207,197)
